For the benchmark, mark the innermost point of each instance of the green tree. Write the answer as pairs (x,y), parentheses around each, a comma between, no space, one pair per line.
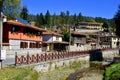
(24,13)
(37,22)
(1,5)
(66,36)
(54,19)
(67,17)
(74,19)
(12,8)
(80,17)
(117,21)
(92,20)
(105,26)
(40,21)
(31,17)
(112,24)
(48,18)
(62,16)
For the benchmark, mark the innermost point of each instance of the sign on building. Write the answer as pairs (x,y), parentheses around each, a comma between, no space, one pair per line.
(2,54)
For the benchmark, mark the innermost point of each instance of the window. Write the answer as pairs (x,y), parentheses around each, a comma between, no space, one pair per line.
(35,45)
(38,33)
(15,29)
(57,38)
(38,45)
(32,45)
(23,45)
(114,42)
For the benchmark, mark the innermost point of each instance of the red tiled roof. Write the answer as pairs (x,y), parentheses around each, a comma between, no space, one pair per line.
(51,33)
(89,23)
(78,33)
(84,33)
(14,22)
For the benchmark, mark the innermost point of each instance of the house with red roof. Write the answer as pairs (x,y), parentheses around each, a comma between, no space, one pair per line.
(21,38)
(52,41)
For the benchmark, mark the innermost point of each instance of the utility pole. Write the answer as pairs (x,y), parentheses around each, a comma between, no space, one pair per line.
(70,38)
(1,31)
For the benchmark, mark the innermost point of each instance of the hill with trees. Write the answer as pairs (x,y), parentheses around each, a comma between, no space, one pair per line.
(63,21)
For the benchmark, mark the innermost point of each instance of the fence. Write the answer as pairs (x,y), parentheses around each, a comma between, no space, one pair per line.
(37,58)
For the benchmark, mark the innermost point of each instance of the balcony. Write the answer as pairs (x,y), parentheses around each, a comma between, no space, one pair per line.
(22,36)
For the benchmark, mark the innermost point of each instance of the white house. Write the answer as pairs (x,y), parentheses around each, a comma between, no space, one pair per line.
(53,42)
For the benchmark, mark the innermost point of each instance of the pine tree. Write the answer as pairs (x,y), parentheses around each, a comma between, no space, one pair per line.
(74,19)
(67,17)
(1,5)
(80,17)
(40,21)
(117,22)
(54,19)
(106,26)
(24,13)
(48,18)
(12,8)
(62,16)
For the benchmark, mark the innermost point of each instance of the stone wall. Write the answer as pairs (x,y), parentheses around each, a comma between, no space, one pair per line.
(14,47)
(110,53)
(51,65)
(11,53)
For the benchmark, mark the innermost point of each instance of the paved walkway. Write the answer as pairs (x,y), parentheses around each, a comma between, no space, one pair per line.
(8,61)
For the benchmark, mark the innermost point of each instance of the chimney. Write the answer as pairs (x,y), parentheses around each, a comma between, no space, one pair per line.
(32,23)
(45,28)
(4,18)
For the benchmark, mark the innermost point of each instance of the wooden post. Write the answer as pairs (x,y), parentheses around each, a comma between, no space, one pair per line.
(45,56)
(16,59)
(28,58)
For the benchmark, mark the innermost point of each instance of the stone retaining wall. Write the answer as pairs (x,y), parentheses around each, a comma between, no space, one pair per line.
(50,65)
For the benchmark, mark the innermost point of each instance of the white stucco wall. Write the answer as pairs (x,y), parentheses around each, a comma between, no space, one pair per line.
(54,38)
(14,47)
(114,42)
(49,38)
(15,44)
(60,38)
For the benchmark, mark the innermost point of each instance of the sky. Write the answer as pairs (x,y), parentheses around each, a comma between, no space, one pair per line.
(93,8)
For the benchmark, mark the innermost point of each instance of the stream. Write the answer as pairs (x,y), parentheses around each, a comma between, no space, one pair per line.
(93,72)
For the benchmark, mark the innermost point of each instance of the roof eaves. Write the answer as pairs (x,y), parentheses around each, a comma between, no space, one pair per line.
(13,22)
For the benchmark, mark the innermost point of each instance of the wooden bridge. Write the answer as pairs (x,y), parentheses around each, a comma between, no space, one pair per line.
(37,58)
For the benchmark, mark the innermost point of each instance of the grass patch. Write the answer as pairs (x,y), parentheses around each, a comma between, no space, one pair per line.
(113,72)
(15,73)
(61,73)
(27,73)
(34,75)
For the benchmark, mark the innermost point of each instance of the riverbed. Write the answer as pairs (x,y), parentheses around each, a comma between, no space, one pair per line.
(79,71)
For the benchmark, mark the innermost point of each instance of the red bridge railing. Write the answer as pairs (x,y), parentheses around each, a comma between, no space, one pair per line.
(37,58)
